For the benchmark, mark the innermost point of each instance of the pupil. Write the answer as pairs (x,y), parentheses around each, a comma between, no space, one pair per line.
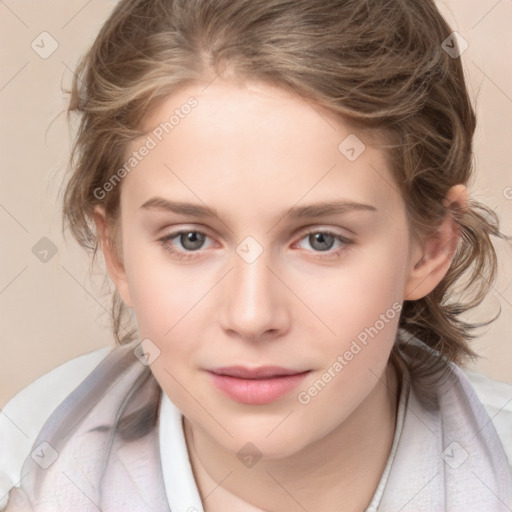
(324,240)
(192,240)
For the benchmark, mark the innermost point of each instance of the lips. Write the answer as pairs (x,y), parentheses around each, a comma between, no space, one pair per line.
(263,372)
(256,386)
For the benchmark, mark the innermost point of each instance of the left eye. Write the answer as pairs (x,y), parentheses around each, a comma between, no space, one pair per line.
(190,240)
(322,241)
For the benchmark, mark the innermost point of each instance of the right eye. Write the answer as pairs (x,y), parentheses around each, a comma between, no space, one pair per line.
(190,240)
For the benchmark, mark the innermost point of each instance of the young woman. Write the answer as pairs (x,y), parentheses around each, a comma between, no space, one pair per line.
(279,191)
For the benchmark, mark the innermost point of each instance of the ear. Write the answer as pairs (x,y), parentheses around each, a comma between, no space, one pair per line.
(432,260)
(115,266)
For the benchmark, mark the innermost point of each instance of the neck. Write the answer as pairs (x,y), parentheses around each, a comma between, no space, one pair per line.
(318,478)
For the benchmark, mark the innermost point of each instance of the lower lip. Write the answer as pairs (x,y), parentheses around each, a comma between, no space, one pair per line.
(257,391)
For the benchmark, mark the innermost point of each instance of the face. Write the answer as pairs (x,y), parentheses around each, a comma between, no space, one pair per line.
(266,257)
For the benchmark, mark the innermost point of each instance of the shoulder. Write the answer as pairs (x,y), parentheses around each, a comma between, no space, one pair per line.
(24,415)
(496,397)
(490,400)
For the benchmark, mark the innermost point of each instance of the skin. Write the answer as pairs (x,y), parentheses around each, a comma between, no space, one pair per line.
(252,151)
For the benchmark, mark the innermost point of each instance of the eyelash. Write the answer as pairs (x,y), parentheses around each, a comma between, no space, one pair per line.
(187,255)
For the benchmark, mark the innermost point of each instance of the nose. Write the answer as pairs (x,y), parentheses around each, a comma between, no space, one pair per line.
(255,301)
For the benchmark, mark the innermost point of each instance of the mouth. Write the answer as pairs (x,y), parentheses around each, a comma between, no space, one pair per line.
(256,386)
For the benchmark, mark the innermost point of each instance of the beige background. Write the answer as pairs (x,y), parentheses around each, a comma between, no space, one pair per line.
(51,312)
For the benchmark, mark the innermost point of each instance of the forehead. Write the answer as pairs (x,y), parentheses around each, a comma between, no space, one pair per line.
(256,144)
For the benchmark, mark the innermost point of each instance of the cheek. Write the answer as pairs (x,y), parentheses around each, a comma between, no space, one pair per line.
(170,305)
(166,305)
(355,297)
(364,316)
(163,293)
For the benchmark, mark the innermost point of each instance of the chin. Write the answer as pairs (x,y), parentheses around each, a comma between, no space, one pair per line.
(268,444)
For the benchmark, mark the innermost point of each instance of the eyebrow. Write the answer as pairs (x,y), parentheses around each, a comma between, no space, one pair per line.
(295,212)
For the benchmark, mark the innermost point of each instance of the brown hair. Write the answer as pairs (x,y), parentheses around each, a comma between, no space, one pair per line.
(379,64)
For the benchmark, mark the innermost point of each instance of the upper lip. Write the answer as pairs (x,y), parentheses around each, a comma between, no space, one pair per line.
(261,372)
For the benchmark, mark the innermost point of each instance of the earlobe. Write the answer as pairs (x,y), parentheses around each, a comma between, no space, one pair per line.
(113,262)
(431,262)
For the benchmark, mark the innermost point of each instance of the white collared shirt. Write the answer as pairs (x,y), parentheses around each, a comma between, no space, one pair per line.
(22,418)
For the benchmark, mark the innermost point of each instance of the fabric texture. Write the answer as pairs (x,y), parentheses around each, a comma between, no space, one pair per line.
(100,448)
(449,456)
